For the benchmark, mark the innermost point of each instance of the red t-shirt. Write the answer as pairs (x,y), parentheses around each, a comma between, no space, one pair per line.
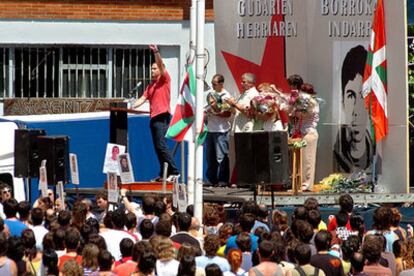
(63,259)
(158,95)
(332,225)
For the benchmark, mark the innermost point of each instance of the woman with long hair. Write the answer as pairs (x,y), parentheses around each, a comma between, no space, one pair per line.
(90,258)
(166,264)
(235,257)
(32,257)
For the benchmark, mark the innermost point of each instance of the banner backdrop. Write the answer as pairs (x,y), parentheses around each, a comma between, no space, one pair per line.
(324,41)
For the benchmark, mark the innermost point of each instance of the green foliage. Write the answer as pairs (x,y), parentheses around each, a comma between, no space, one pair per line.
(410,30)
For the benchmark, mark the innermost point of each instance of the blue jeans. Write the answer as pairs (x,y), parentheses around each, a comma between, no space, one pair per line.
(159,125)
(217,150)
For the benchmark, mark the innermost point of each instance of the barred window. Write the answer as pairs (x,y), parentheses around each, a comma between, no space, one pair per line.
(74,72)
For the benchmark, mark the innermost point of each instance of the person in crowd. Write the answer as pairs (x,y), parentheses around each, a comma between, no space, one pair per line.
(15,226)
(158,95)
(398,247)
(235,259)
(346,205)
(146,229)
(32,256)
(148,207)
(15,252)
(114,236)
(341,233)
(329,264)
(88,204)
(39,230)
(182,236)
(225,232)
(187,266)
(310,204)
(90,259)
(126,247)
(381,225)
(211,220)
(211,245)
(146,264)
(357,264)
(7,266)
(348,247)
(129,267)
(262,216)
(71,268)
(50,263)
(266,266)
(303,267)
(24,212)
(72,242)
(101,199)
(5,194)
(244,243)
(217,141)
(213,270)
(166,264)
(105,261)
(246,221)
(280,221)
(395,224)
(371,249)
(131,226)
(356,221)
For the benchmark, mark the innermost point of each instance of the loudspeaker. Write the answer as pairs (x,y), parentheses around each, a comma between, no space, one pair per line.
(262,157)
(118,124)
(26,152)
(55,149)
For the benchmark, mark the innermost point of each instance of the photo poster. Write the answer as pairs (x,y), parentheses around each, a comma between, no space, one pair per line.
(111,157)
(74,172)
(112,186)
(175,194)
(61,193)
(182,197)
(125,168)
(43,179)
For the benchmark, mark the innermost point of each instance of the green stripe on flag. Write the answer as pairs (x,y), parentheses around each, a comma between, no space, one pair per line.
(178,127)
(382,73)
(370,56)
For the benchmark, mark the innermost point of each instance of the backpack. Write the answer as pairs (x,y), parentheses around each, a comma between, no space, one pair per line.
(302,273)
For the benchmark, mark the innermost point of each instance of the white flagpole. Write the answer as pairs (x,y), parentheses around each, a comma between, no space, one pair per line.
(191,149)
(198,188)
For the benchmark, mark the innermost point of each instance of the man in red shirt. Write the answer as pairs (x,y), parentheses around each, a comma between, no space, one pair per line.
(158,95)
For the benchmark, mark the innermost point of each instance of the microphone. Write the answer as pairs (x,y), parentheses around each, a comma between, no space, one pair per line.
(131,94)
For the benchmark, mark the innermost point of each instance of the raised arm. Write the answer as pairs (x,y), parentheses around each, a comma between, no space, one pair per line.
(158,58)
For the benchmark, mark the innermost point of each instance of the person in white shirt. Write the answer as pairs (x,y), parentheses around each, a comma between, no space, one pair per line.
(39,230)
(243,119)
(217,141)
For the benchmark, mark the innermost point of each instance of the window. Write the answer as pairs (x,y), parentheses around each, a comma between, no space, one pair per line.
(75,72)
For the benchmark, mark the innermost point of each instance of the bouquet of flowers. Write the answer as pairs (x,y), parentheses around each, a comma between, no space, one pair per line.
(264,106)
(217,103)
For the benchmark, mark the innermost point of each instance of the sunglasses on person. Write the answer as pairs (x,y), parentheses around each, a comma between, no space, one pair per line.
(6,191)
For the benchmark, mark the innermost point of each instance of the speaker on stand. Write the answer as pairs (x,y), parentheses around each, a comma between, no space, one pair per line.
(26,155)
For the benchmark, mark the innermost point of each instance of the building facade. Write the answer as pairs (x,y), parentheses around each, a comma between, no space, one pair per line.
(93,49)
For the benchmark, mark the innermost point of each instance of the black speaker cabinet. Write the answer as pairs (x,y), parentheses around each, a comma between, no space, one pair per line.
(26,152)
(118,125)
(262,157)
(55,149)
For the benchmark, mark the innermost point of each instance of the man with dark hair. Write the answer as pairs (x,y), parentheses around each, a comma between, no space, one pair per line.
(39,230)
(183,235)
(64,218)
(244,243)
(312,204)
(148,208)
(15,226)
(314,218)
(262,216)
(72,241)
(217,141)
(346,205)
(303,267)
(331,265)
(105,261)
(113,237)
(146,229)
(102,203)
(158,95)
(211,245)
(300,212)
(295,81)
(305,234)
(371,249)
(246,221)
(125,246)
(353,148)
(5,194)
(266,265)
(24,211)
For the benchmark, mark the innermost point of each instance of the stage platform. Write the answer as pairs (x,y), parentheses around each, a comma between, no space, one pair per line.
(238,196)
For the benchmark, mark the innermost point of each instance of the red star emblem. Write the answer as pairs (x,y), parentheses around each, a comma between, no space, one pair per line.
(273,66)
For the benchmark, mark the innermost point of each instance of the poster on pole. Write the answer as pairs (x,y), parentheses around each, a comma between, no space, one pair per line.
(125,168)
(182,197)
(111,157)
(43,180)
(74,172)
(175,194)
(61,193)
(112,186)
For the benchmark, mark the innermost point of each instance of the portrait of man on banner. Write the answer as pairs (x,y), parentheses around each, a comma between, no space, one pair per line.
(353,148)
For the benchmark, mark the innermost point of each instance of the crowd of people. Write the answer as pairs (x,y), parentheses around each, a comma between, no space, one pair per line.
(153,238)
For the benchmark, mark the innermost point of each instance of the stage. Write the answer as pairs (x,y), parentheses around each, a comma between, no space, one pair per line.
(235,196)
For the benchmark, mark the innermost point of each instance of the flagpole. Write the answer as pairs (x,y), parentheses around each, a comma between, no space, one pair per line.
(198,170)
(191,148)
